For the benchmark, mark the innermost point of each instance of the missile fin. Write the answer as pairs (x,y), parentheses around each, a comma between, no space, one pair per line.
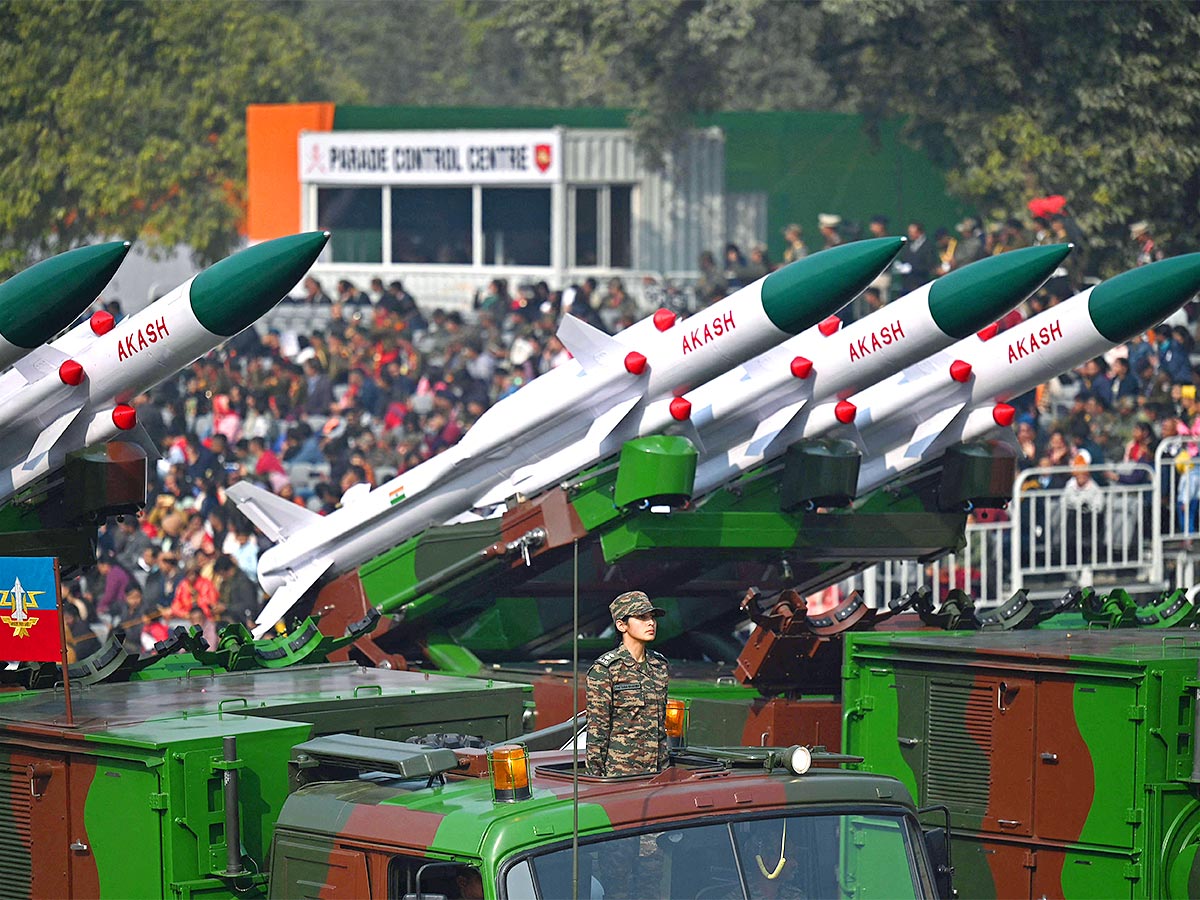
(49,436)
(39,363)
(589,345)
(774,428)
(575,456)
(931,429)
(275,517)
(287,596)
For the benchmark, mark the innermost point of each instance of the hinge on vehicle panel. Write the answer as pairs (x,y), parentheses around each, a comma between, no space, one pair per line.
(158,801)
(1137,713)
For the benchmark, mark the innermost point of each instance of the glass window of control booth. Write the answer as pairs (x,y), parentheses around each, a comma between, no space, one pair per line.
(516,226)
(355,218)
(431,225)
(602,226)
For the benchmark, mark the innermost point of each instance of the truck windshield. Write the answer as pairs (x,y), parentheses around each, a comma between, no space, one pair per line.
(831,855)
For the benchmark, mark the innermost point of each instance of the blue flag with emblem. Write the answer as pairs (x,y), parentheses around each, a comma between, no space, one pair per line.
(29,627)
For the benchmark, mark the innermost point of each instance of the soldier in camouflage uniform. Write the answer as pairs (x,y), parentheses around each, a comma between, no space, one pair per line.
(627,696)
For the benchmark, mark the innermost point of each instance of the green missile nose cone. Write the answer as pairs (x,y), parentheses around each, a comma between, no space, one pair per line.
(803,293)
(1135,300)
(236,291)
(965,300)
(39,302)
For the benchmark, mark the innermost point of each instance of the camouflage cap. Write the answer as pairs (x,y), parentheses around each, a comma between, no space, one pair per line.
(633,603)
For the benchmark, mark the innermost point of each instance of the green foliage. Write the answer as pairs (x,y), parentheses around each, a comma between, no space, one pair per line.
(128,119)
(1099,102)
(666,60)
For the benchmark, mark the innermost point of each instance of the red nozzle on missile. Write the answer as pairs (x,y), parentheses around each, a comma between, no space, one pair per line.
(664,319)
(124,417)
(1003,414)
(829,325)
(986,334)
(845,411)
(71,372)
(102,322)
(801,367)
(635,363)
(960,371)
(681,409)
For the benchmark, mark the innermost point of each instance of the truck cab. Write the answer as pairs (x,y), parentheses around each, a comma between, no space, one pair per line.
(503,823)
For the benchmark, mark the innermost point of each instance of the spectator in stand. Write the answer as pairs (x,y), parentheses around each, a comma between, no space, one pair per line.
(314,293)
(1094,379)
(318,395)
(1147,249)
(969,246)
(1011,236)
(711,285)
(760,263)
(194,590)
(1125,385)
(349,295)
(793,234)
(917,261)
(1172,357)
(239,593)
(115,582)
(829,224)
(735,272)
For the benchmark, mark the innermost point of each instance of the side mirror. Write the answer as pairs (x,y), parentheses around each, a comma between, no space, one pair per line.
(937,845)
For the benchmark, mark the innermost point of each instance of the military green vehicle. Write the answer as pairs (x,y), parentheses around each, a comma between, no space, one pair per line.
(255,769)
(1069,760)
(170,787)
(417,822)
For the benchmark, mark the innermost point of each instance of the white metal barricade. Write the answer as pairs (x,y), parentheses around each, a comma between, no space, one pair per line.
(1065,526)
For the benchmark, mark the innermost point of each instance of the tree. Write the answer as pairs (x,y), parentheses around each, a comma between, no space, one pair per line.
(1099,102)
(128,119)
(664,59)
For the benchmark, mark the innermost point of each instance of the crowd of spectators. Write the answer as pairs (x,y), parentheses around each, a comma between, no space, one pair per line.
(383,384)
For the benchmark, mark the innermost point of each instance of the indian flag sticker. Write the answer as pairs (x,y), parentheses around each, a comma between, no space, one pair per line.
(395,495)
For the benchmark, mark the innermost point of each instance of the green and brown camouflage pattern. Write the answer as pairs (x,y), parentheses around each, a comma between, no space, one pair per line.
(1067,759)
(127,801)
(336,839)
(626,714)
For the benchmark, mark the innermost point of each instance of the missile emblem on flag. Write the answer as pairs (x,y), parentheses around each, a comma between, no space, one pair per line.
(29,627)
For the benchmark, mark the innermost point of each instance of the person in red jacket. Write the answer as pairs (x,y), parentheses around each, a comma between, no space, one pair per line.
(194,590)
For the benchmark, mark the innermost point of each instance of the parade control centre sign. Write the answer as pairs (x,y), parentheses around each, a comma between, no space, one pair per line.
(430,157)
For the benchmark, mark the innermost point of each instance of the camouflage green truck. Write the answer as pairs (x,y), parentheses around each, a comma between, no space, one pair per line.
(502,824)
(134,799)
(1068,759)
(300,781)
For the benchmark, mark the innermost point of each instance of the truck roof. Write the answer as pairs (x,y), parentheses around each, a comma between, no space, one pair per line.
(157,713)
(1034,648)
(461,817)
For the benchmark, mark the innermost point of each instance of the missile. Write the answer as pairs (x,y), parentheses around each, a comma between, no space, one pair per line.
(940,411)
(40,301)
(613,389)
(750,415)
(75,392)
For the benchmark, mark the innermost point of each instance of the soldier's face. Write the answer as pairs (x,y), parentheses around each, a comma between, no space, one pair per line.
(642,628)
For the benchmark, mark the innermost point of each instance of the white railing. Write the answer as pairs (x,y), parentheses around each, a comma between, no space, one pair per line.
(1177,526)
(1065,526)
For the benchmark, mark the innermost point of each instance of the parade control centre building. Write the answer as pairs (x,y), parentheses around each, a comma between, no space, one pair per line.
(446,199)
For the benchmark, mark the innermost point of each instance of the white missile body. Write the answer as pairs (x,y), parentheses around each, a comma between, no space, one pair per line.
(750,416)
(916,414)
(74,392)
(556,425)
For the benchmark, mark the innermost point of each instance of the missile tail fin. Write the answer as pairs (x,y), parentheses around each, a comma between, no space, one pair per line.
(589,345)
(287,596)
(275,517)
